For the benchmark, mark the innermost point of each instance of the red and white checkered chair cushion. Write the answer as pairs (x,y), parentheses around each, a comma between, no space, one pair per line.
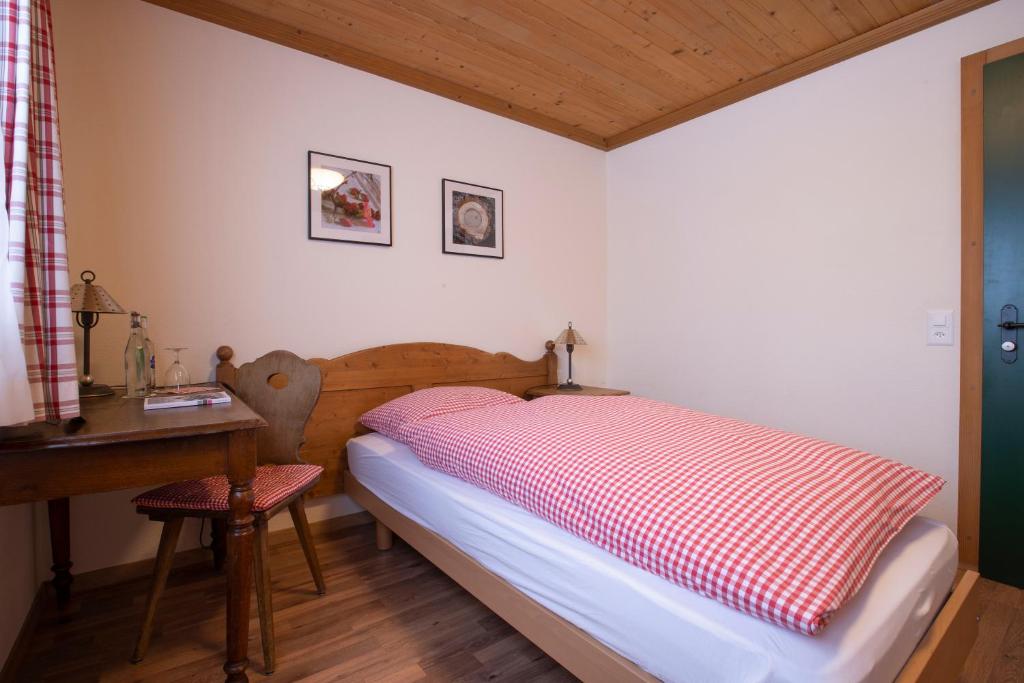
(273,484)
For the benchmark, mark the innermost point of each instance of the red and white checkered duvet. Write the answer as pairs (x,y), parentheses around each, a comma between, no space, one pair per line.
(780,526)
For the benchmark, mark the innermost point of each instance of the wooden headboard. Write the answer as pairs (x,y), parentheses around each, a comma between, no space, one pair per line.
(359,381)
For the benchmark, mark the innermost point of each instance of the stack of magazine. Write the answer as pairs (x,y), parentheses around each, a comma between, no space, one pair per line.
(206,397)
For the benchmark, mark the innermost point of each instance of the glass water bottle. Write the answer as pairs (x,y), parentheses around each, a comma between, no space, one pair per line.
(150,356)
(135,366)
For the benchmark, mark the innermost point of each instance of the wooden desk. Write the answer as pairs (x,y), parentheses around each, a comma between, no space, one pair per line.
(119,446)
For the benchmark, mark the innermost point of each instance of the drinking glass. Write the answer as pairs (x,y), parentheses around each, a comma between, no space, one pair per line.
(176,376)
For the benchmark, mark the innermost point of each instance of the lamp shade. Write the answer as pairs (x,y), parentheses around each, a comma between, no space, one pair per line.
(89,298)
(570,336)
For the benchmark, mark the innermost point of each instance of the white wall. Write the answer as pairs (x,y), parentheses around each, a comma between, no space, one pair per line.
(774,260)
(18,587)
(185,161)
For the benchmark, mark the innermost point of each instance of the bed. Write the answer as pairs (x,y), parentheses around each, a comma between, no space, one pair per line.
(905,623)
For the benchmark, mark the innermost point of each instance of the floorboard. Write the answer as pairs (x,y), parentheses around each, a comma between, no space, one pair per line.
(388,617)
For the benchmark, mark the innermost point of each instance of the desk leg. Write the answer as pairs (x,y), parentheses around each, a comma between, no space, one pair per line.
(241,469)
(59,513)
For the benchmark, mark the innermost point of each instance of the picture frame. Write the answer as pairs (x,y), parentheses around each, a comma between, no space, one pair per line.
(356,210)
(472,219)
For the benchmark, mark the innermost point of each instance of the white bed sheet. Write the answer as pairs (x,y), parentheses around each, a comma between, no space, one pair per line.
(673,633)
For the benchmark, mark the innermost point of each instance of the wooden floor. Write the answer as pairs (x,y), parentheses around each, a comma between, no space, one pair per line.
(998,654)
(388,617)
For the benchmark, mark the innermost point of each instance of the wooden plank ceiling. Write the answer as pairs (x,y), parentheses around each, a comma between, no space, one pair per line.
(601,72)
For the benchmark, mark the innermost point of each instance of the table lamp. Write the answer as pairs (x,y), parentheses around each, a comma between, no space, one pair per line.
(87,302)
(570,338)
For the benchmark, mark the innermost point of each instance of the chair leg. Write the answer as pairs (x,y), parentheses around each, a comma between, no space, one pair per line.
(298,510)
(261,558)
(385,537)
(162,567)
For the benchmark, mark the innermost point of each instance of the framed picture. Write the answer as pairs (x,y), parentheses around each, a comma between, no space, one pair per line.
(472,220)
(349,200)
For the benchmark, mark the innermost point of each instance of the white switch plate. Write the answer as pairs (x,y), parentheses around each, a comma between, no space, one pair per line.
(940,328)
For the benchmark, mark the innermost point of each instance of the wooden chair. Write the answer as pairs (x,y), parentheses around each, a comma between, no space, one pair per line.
(282,388)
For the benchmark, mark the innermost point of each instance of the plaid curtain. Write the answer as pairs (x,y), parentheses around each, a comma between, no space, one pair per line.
(36,246)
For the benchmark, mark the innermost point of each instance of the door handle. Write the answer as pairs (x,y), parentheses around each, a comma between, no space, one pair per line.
(1008,337)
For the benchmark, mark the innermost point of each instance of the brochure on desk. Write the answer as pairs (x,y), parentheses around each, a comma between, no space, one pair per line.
(206,398)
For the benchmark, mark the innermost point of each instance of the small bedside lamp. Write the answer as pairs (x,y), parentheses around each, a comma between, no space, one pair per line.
(87,302)
(570,338)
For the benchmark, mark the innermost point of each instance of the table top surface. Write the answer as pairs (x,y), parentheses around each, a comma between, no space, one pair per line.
(116,419)
(552,389)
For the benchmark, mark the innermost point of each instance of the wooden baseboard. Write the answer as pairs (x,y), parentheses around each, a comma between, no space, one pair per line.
(131,571)
(107,576)
(19,650)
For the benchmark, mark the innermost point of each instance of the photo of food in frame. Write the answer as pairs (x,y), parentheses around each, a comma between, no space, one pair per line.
(349,200)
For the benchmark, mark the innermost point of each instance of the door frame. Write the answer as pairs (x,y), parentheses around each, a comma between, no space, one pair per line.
(972,290)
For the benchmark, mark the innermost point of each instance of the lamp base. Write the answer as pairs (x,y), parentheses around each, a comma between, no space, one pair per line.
(94,390)
(570,386)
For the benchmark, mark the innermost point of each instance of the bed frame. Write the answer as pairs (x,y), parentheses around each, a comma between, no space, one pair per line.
(357,382)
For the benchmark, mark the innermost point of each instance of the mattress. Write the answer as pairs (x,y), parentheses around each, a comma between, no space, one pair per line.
(675,634)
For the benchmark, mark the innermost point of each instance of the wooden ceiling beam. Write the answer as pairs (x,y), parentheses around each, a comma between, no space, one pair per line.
(238,19)
(912,23)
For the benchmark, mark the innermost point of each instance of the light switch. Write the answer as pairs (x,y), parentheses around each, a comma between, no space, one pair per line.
(938,318)
(940,328)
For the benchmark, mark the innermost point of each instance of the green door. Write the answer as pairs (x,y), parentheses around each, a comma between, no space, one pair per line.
(1002,460)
